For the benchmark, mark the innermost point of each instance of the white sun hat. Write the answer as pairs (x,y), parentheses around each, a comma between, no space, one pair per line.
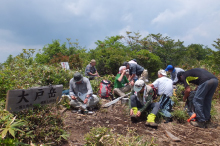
(138,85)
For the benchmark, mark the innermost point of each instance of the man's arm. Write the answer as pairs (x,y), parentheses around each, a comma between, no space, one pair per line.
(89,88)
(131,77)
(122,75)
(148,102)
(72,94)
(186,93)
(152,86)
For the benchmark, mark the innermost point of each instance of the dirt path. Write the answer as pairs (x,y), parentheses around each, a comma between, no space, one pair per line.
(115,117)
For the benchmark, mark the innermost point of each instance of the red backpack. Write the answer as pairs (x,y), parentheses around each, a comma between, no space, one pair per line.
(105,89)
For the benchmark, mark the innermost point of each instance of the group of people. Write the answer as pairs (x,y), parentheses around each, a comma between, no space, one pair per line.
(133,78)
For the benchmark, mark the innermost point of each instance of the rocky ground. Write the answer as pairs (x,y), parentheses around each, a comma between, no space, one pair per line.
(116,118)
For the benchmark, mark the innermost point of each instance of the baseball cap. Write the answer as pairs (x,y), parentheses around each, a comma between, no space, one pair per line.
(169,67)
(162,72)
(138,85)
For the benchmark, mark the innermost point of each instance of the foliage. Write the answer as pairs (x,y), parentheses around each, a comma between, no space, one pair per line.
(109,55)
(180,115)
(149,61)
(96,83)
(22,73)
(44,125)
(11,142)
(10,126)
(101,136)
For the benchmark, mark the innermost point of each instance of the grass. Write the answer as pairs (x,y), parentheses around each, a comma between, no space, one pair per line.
(180,115)
(102,136)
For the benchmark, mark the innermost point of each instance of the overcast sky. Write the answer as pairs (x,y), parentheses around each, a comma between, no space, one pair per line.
(35,23)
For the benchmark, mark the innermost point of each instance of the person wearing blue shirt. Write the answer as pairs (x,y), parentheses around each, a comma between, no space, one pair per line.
(173,72)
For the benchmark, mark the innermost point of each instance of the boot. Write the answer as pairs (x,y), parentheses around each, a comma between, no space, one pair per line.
(198,124)
(151,120)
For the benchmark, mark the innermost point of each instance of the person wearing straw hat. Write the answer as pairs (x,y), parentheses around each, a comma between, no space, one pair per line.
(91,71)
(141,101)
(81,94)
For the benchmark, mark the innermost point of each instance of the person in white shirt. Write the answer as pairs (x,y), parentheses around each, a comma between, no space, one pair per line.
(164,86)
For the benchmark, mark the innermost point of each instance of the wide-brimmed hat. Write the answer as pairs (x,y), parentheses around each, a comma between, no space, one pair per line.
(138,85)
(77,77)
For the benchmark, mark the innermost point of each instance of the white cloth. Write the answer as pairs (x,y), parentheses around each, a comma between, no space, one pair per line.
(132,61)
(164,86)
(174,74)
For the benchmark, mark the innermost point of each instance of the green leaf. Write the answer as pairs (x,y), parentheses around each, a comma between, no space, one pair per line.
(12,132)
(4,132)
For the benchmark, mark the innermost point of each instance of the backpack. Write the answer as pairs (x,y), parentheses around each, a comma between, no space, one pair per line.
(105,89)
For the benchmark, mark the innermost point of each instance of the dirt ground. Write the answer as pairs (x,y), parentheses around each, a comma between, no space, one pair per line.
(117,118)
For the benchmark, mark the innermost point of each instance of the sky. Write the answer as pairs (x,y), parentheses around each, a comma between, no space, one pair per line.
(32,24)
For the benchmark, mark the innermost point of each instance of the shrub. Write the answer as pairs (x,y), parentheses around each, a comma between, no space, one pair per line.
(43,125)
(180,115)
(21,74)
(101,136)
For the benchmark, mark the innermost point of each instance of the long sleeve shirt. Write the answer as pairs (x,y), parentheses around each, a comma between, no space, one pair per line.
(83,87)
(148,94)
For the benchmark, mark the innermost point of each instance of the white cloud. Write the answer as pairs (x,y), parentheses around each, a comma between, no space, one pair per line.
(123,30)
(167,16)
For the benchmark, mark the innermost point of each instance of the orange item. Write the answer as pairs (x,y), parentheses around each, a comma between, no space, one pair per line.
(192,117)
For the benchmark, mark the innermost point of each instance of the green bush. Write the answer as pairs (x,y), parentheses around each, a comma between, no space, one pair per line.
(180,116)
(102,136)
(43,125)
(23,73)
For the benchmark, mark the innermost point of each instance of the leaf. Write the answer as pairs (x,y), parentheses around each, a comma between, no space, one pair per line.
(4,132)
(12,132)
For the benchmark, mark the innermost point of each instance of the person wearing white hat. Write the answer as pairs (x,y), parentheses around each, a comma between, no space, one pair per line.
(121,84)
(141,101)
(165,90)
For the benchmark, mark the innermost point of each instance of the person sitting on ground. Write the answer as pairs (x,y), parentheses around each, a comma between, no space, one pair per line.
(91,71)
(207,84)
(164,86)
(121,84)
(136,70)
(80,86)
(141,101)
(173,72)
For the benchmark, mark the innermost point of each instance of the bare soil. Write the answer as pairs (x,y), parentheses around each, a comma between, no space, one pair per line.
(117,118)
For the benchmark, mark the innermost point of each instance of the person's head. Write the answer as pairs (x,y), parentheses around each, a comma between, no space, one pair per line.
(139,86)
(179,76)
(77,78)
(169,68)
(126,64)
(121,69)
(162,73)
(93,62)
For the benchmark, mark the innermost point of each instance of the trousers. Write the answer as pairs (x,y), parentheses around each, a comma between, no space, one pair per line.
(92,102)
(121,91)
(203,99)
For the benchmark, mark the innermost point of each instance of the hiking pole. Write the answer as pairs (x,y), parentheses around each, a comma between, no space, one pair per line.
(115,101)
